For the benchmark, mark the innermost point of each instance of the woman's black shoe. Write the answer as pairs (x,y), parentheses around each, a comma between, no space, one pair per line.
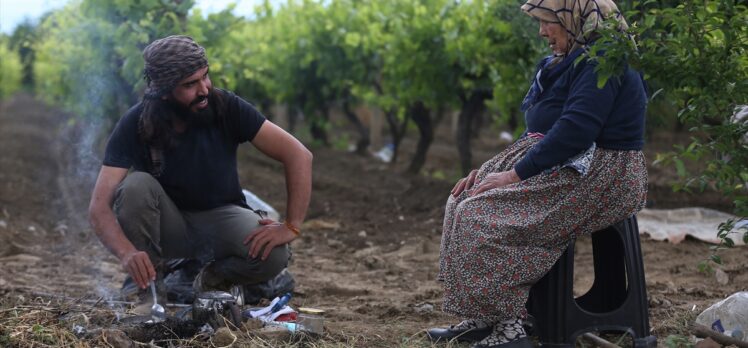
(472,334)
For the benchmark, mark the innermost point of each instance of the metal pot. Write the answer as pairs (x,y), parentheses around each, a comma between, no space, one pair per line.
(212,306)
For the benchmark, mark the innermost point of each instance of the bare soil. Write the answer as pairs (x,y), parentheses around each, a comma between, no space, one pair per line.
(369,250)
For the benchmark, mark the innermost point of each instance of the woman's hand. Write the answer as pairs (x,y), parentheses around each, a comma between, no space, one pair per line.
(496,180)
(465,183)
(268,236)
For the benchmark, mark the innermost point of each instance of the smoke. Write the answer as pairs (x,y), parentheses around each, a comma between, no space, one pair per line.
(94,103)
(80,154)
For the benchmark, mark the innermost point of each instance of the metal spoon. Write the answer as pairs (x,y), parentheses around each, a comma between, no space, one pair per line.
(158,314)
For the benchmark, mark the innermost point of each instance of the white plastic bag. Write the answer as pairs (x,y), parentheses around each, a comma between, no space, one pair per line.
(258,204)
(732,312)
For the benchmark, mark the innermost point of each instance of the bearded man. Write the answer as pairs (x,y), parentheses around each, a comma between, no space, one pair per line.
(169,187)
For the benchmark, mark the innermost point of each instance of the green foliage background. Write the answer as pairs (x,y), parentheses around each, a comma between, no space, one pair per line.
(11,69)
(694,54)
(307,54)
(397,54)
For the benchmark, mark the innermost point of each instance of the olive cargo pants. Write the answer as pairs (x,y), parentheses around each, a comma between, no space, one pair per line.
(154,224)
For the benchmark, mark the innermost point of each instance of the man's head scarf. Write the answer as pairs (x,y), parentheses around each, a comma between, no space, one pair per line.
(580,18)
(168,61)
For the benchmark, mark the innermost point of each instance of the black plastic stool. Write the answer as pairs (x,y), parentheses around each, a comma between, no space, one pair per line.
(617,300)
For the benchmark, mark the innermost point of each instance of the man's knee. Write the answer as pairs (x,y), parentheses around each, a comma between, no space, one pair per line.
(240,270)
(138,183)
(276,261)
(136,190)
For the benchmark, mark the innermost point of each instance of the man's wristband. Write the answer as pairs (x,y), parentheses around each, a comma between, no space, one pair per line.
(293,228)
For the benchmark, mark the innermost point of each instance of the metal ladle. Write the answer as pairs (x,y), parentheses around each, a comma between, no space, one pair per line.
(158,314)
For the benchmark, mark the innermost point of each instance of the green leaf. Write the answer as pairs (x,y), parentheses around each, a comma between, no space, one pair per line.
(704,267)
(680,168)
(352,39)
(602,79)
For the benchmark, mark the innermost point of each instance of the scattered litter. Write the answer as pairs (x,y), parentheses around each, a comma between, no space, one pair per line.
(273,311)
(258,204)
(385,153)
(206,329)
(79,331)
(506,137)
(362,234)
(424,308)
(727,316)
(3,224)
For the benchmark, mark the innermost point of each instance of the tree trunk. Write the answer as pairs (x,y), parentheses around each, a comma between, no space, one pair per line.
(472,107)
(293,113)
(397,129)
(317,127)
(363,141)
(422,117)
(397,132)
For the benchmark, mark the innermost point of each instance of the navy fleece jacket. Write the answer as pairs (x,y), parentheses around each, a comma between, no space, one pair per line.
(573,113)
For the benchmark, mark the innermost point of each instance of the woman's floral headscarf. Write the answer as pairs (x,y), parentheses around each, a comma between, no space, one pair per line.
(580,18)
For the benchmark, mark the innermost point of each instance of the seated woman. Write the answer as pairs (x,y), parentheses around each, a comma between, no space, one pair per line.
(578,168)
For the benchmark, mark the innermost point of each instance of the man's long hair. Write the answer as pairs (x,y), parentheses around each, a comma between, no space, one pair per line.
(156,128)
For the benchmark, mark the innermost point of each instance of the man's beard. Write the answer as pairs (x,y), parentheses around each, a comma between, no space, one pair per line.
(201,117)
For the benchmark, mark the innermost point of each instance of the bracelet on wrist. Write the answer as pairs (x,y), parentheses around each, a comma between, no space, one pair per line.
(292,228)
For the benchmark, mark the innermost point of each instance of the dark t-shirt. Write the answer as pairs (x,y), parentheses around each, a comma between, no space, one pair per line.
(199,172)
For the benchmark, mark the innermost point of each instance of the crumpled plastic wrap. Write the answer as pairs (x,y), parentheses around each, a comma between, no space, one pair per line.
(732,313)
(673,225)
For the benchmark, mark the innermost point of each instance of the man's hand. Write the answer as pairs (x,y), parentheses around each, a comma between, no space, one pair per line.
(496,180)
(465,183)
(270,235)
(140,268)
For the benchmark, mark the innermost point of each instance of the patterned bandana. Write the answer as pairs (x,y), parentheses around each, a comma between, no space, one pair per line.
(169,60)
(580,18)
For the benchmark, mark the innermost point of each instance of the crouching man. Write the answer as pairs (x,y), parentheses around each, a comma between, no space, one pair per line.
(169,186)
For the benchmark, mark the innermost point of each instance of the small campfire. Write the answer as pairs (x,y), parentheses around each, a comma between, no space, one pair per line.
(31,320)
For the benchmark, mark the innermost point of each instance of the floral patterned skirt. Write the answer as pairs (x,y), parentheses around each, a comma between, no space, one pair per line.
(497,244)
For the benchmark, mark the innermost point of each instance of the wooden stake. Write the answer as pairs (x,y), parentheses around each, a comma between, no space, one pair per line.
(702,331)
(599,341)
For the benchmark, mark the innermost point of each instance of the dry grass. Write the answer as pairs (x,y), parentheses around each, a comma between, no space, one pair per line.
(41,322)
(38,322)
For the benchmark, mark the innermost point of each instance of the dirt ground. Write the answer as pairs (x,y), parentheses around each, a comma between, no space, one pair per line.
(369,250)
